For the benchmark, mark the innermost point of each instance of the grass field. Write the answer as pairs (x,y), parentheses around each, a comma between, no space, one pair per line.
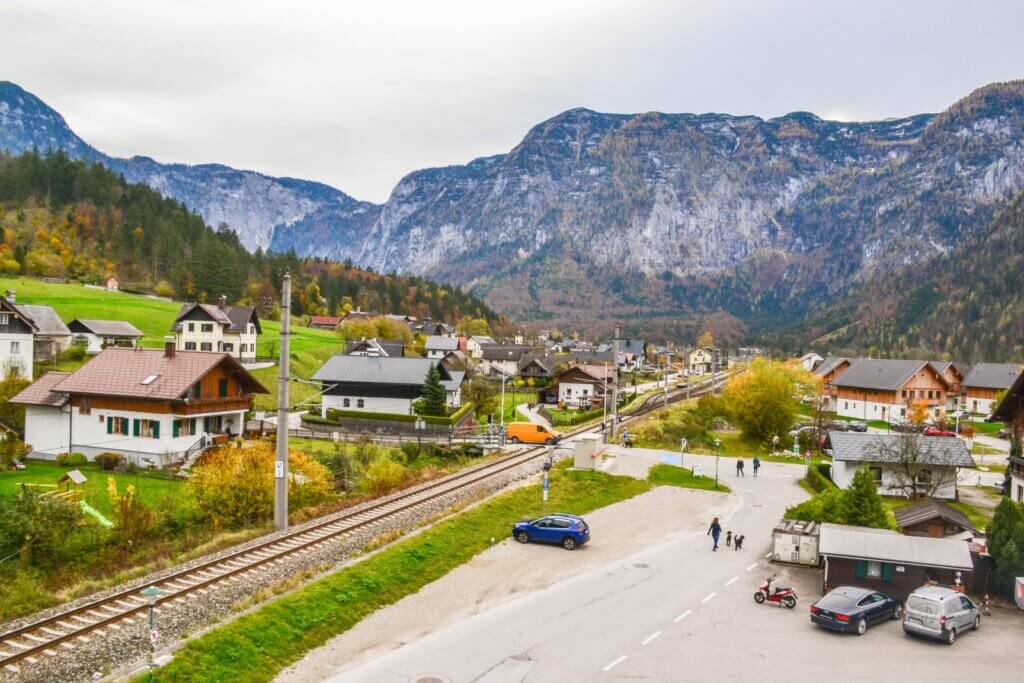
(670,475)
(150,488)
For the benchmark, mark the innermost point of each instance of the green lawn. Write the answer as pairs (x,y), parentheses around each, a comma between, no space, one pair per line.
(255,647)
(150,488)
(670,475)
(982,427)
(514,397)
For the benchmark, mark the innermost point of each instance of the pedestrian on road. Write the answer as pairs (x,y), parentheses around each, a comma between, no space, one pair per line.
(739,467)
(757,464)
(728,538)
(625,438)
(715,530)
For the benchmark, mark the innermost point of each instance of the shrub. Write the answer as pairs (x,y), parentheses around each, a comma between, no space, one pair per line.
(36,527)
(109,462)
(383,475)
(132,519)
(816,481)
(411,451)
(72,459)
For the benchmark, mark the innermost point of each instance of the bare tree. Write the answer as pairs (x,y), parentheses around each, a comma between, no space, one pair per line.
(914,465)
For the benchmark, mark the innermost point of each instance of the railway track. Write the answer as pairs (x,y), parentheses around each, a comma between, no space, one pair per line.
(66,630)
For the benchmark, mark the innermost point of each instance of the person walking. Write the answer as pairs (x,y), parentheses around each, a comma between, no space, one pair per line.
(757,464)
(715,530)
(739,467)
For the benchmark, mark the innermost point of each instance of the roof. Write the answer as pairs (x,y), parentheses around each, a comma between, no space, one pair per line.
(501,352)
(106,328)
(483,339)
(880,373)
(455,382)
(377,370)
(120,372)
(40,392)
(1012,404)
(880,448)
(828,365)
(6,305)
(634,346)
(331,320)
(235,318)
(389,347)
(545,362)
(46,319)
(884,545)
(992,375)
(436,343)
(929,508)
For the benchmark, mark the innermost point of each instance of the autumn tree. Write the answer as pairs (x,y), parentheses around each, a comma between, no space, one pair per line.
(706,339)
(763,401)
(473,327)
(917,411)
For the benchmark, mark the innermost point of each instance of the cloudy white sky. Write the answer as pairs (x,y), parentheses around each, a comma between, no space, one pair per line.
(356,94)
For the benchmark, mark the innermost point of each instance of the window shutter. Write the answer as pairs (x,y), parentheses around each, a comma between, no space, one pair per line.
(861,569)
(110,425)
(135,427)
(175,428)
(887,571)
(156,429)
(192,423)
(206,424)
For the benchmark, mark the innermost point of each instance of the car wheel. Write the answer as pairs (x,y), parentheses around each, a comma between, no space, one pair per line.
(759,597)
(977,622)
(897,611)
(950,636)
(569,543)
(862,626)
(514,439)
(523,537)
(789,602)
(549,442)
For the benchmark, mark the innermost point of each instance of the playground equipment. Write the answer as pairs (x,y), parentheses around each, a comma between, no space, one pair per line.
(69,489)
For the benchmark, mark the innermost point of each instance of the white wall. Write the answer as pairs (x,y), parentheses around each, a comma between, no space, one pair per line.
(572,392)
(842,475)
(1017,488)
(198,336)
(398,406)
(979,405)
(46,429)
(21,360)
(454,398)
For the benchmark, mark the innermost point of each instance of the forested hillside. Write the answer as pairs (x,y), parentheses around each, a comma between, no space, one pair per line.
(65,218)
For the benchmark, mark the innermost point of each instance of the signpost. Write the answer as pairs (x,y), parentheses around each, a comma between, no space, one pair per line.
(718,448)
(151,593)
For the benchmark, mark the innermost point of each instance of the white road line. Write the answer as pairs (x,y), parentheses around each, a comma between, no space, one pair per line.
(651,637)
(709,597)
(751,566)
(767,556)
(683,616)
(731,581)
(614,664)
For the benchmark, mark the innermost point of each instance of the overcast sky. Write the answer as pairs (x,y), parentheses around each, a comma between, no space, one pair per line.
(357,94)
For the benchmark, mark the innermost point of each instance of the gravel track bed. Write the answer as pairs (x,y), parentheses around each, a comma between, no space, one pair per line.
(119,649)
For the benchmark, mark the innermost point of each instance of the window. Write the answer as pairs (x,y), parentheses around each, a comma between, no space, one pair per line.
(149,379)
(84,406)
(197,390)
(5,319)
(191,327)
(903,412)
(229,348)
(15,348)
(876,473)
(360,403)
(147,429)
(184,427)
(207,327)
(222,387)
(206,346)
(874,570)
(346,403)
(846,405)
(117,425)
(190,346)
(924,477)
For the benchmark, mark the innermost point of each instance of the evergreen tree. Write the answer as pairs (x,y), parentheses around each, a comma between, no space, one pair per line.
(862,506)
(1006,541)
(432,402)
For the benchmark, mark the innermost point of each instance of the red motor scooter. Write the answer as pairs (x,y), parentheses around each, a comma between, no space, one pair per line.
(778,596)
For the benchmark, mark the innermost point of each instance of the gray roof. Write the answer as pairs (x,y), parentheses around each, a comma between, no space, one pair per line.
(455,382)
(877,448)
(929,508)
(992,375)
(435,343)
(634,346)
(388,347)
(235,318)
(877,373)
(107,328)
(884,545)
(503,351)
(46,319)
(377,370)
(828,365)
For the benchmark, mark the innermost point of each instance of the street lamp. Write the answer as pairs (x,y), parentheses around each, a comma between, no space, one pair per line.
(151,593)
(718,449)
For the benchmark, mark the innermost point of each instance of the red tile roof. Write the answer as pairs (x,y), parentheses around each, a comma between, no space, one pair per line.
(40,392)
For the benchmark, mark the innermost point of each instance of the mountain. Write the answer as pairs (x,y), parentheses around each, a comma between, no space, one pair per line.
(251,203)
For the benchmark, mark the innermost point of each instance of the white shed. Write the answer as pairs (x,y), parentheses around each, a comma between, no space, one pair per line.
(796,542)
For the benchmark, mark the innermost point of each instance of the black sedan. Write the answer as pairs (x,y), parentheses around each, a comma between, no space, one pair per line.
(852,610)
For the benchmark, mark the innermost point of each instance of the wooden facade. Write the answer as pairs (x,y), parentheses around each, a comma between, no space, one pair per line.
(897,580)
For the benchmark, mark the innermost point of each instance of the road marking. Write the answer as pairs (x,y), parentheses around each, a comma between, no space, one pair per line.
(731,581)
(751,566)
(683,616)
(651,637)
(615,663)
(709,597)
(767,556)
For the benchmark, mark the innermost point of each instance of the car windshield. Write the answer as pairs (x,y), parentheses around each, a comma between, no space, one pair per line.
(919,604)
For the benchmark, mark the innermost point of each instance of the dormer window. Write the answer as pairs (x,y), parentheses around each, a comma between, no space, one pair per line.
(149,379)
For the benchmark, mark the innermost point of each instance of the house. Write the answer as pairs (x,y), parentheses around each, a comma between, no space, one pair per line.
(829,370)
(581,386)
(502,359)
(17,331)
(52,336)
(889,562)
(112,284)
(222,329)
(475,344)
(429,328)
(809,361)
(537,366)
(456,360)
(399,318)
(901,463)
(705,360)
(381,384)
(632,353)
(1011,411)
(324,322)
(153,406)
(935,519)
(97,335)
(438,347)
(357,314)
(954,374)
(394,348)
(885,389)
(984,381)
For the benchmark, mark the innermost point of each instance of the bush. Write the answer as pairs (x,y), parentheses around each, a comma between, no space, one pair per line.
(859,505)
(36,527)
(109,462)
(816,481)
(383,475)
(72,459)
(411,451)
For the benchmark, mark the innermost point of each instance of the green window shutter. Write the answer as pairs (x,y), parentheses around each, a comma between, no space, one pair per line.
(206,424)
(156,429)
(110,425)
(222,387)
(860,569)
(887,570)
(175,428)
(192,422)
(135,427)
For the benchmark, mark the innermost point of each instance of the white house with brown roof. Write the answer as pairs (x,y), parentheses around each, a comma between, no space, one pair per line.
(221,329)
(97,335)
(885,389)
(17,331)
(155,407)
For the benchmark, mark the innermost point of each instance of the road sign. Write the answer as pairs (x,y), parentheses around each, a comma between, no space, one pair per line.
(154,636)
(279,470)
(545,487)
(696,471)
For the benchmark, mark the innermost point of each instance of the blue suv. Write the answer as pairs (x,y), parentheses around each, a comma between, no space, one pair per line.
(568,531)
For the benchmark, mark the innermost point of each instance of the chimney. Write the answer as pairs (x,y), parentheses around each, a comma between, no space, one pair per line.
(223,303)
(169,347)
(9,295)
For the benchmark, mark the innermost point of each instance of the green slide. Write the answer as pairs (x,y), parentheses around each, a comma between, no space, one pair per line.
(94,513)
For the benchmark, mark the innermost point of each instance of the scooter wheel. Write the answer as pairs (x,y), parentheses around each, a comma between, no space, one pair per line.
(789,602)
(759,597)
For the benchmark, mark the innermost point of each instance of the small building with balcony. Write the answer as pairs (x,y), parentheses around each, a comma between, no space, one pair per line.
(219,329)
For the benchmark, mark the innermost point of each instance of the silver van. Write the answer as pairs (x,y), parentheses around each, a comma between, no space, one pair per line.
(941,613)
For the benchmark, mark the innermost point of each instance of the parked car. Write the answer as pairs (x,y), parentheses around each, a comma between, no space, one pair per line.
(568,531)
(851,609)
(858,426)
(1005,433)
(941,613)
(528,432)
(838,426)
(960,415)
(932,430)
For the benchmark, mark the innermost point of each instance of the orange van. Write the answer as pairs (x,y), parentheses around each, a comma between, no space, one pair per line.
(528,432)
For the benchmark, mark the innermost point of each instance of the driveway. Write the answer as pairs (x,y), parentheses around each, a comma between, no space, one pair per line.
(532,415)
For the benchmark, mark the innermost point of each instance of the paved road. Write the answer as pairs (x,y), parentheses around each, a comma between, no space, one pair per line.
(593,625)
(532,415)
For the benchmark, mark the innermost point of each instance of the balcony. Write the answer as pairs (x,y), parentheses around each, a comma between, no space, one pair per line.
(220,404)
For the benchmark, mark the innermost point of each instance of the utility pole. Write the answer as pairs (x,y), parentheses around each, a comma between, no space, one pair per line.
(281,463)
(615,383)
